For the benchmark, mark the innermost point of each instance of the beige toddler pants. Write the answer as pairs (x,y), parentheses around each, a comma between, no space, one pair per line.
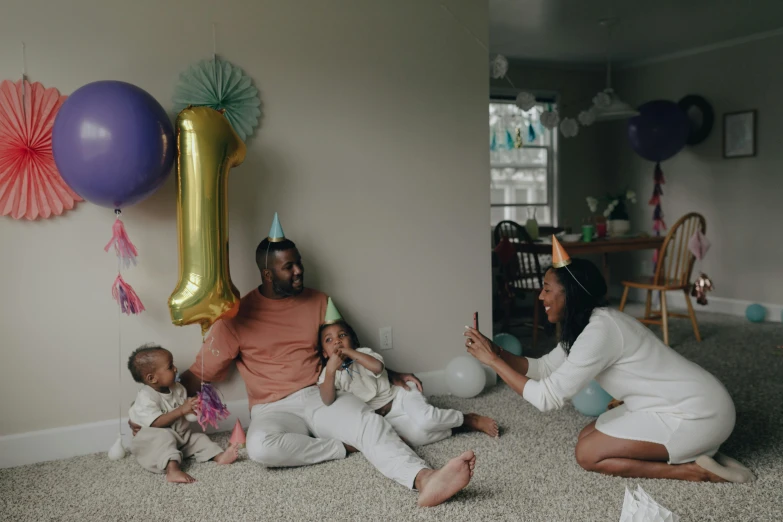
(155,447)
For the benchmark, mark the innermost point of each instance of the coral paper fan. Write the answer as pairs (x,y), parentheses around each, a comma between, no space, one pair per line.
(30,184)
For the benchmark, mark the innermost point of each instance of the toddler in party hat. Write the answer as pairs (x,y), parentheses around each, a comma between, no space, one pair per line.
(348,367)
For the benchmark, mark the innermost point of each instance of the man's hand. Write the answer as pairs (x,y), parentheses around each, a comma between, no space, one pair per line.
(134,427)
(401,380)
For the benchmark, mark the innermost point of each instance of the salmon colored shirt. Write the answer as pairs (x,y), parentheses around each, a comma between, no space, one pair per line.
(272,341)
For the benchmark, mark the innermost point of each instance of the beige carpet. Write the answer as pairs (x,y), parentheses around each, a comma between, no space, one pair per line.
(529,474)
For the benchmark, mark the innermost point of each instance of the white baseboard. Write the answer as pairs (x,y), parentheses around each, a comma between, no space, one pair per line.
(97,437)
(718,305)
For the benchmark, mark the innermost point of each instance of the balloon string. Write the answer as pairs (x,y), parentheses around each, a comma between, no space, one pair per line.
(478,40)
(119,348)
(214,43)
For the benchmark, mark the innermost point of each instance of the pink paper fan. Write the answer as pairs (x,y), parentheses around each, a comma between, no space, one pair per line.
(30,184)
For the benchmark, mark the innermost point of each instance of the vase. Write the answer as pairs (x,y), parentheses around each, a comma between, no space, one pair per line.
(531,225)
(618,227)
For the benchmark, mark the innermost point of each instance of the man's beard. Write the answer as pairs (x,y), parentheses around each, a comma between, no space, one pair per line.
(285,288)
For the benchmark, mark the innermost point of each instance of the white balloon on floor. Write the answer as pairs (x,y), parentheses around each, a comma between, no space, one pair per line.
(465,376)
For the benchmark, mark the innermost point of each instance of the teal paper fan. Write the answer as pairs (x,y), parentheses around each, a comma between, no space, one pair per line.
(219,84)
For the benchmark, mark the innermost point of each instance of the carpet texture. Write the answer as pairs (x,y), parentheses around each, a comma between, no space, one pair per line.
(528,474)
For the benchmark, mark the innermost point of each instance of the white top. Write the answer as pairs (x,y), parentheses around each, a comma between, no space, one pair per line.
(374,389)
(631,364)
(150,404)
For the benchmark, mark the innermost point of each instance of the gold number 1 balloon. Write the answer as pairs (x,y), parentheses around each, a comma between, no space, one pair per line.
(207,148)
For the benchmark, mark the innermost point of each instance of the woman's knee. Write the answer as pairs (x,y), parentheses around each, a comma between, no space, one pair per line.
(585,457)
(587,430)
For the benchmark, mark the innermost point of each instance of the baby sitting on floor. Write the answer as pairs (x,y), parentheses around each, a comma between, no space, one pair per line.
(160,409)
(361,371)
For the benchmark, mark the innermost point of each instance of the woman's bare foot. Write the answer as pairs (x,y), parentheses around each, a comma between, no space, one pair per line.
(175,474)
(716,472)
(228,456)
(437,486)
(475,422)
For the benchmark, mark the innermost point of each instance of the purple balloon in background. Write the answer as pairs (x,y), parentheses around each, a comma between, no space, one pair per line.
(660,130)
(113,143)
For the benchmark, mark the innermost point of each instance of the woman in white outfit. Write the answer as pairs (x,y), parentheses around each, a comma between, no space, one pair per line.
(673,415)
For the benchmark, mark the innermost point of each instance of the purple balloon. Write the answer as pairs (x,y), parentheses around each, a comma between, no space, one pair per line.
(113,143)
(660,130)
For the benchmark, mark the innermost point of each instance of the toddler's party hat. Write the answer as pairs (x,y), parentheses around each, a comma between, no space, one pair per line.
(332,314)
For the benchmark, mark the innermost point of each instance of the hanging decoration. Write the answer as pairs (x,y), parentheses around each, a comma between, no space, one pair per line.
(30,184)
(113,143)
(498,67)
(218,84)
(698,245)
(658,133)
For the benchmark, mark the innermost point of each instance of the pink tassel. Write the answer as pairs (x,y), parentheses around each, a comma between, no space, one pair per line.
(210,408)
(122,244)
(124,295)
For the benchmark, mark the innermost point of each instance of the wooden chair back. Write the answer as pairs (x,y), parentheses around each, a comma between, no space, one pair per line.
(675,260)
(523,272)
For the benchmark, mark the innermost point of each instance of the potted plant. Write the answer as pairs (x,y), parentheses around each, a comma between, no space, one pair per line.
(616,212)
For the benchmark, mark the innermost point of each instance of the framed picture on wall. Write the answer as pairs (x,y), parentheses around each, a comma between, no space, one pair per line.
(739,134)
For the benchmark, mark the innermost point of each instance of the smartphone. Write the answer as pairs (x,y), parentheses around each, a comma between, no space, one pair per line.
(475,320)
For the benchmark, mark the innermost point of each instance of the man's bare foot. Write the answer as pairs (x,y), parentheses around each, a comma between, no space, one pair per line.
(437,486)
(349,448)
(175,474)
(475,422)
(228,456)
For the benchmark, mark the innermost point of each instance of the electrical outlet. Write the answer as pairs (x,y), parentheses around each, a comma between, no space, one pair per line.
(386,338)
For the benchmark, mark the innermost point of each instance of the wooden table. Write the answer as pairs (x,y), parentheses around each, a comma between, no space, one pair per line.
(602,246)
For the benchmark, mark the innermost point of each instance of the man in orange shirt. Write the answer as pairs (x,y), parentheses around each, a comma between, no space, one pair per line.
(273,342)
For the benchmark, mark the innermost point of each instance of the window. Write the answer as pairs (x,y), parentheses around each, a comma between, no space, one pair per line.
(522,164)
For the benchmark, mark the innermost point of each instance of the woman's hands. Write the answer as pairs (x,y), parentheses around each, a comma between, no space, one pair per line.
(480,347)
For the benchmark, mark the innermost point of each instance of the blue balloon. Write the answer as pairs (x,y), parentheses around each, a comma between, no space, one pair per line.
(756,313)
(509,343)
(592,401)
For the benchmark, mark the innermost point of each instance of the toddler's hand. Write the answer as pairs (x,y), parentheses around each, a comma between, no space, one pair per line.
(189,405)
(335,360)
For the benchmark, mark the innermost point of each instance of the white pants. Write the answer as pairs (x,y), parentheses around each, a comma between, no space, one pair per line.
(300,430)
(419,422)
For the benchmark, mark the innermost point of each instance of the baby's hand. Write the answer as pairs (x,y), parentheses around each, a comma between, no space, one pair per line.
(335,360)
(189,405)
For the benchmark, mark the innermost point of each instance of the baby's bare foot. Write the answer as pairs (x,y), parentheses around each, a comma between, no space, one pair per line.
(228,456)
(179,476)
(481,423)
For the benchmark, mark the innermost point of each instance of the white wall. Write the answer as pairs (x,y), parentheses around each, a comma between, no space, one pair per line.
(740,198)
(372,149)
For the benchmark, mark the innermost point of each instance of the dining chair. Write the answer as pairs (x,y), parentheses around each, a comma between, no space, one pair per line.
(521,274)
(672,273)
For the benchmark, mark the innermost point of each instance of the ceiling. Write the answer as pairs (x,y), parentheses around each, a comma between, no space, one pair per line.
(568,31)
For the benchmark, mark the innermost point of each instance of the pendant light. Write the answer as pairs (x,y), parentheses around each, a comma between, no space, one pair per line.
(609,106)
